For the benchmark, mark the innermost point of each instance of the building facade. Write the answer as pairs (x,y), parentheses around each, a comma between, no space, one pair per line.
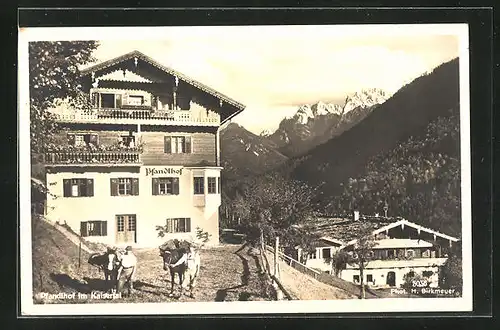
(144,156)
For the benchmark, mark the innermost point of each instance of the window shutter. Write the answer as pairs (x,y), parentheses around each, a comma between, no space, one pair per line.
(83,229)
(155,186)
(169,225)
(175,186)
(94,139)
(118,100)
(125,98)
(71,139)
(87,138)
(67,188)
(90,187)
(188,145)
(135,186)
(168,145)
(104,228)
(188,224)
(114,187)
(219,190)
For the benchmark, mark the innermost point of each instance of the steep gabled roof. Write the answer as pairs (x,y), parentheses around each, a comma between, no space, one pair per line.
(181,76)
(404,222)
(332,240)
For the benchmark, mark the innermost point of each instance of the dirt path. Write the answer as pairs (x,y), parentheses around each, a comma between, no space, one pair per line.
(304,287)
(224,276)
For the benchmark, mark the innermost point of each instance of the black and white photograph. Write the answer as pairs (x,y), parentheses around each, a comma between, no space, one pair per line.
(283,169)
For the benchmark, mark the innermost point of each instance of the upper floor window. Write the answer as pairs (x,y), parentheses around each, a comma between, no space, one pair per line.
(93,228)
(110,100)
(212,185)
(177,144)
(78,187)
(82,139)
(199,185)
(125,187)
(135,100)
(165,186)
(127,141)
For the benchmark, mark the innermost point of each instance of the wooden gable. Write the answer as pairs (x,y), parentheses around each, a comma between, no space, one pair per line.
(142,67)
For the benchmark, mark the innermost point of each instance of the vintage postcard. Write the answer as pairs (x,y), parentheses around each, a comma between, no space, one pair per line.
(279,169)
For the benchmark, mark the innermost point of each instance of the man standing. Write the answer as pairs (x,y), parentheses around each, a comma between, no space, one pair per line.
(127,269)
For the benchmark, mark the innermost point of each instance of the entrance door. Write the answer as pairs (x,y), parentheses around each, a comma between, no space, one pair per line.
(126,228)
(391,278)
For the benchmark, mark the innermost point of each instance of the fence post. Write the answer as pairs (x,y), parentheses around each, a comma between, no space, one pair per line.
(79,254)
(276,249)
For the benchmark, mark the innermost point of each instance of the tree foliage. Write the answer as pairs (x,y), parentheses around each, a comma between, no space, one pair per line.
(419,179)
(54,75)
(362,252)
(272,206)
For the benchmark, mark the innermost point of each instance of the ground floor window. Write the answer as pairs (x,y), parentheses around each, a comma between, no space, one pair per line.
(178,225)
(355,278)
(199,185)
(212,185)
(165,186)
(126,222)
(78,187)
(93,228)
(369,278)
(125,187)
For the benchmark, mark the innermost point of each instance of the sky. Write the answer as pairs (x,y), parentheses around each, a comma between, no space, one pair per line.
(274,70)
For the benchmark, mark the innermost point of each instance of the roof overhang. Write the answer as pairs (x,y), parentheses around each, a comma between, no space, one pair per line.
(236,107)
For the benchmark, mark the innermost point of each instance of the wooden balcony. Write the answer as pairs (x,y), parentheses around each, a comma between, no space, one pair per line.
(148,117)
(66,158)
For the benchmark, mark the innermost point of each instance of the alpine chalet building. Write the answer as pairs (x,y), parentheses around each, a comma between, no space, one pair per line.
(146,154)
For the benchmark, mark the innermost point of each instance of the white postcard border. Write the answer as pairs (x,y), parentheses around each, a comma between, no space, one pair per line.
(28,308)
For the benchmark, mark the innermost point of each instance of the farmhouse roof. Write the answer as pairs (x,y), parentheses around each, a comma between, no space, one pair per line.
(175,73)
(404,222)
(332,240)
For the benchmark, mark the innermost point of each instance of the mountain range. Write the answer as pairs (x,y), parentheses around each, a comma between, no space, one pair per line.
(245,153)
(317,123)
(403,152)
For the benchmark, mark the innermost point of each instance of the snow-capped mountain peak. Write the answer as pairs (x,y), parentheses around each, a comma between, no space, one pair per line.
(365,98)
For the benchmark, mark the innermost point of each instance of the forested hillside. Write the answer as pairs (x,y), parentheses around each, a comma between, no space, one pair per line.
(405,153)
(419,179)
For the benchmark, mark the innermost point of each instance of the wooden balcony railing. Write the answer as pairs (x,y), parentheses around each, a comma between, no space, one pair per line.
(92,158)
(132,116)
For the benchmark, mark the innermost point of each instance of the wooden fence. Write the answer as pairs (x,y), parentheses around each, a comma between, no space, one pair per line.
(325,278)
(274,274)
(295,264)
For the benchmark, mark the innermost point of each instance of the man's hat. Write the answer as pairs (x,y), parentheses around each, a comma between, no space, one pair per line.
(128,248)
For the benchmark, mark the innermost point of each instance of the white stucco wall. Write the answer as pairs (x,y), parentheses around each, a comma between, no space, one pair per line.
(150,210)
(380,275)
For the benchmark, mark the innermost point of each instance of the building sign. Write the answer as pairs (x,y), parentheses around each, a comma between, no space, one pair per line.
(163,171)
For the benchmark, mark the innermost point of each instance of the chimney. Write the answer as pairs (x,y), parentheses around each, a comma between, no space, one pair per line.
(355,215)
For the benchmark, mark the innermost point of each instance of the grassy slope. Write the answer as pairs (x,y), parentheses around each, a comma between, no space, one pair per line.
(224,276)
(53,254)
